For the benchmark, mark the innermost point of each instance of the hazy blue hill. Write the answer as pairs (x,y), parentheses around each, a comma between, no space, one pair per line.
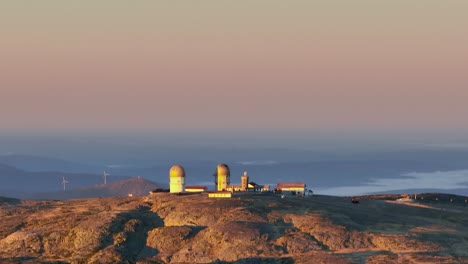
(7,200)
(19,183)
(39,163)
(134,186)
(319,168)
(324,173)
(7,169)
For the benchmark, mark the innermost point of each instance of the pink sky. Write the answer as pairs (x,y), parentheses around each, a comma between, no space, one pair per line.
(294,66)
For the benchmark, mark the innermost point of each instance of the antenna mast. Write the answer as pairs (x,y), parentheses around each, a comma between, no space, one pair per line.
(64,183)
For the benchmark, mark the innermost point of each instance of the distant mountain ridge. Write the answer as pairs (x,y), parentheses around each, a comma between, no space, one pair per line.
(132,186)
(7,200)
(41,163)
(19,183)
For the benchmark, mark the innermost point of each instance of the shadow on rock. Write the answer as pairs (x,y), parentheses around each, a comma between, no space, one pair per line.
(27,260)
(128,233)
(266,260)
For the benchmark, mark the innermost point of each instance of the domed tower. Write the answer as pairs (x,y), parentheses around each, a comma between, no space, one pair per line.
(223,177)
(244,181)
(176,179)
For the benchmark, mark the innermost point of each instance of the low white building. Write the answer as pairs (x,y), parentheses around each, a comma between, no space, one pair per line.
(291,187)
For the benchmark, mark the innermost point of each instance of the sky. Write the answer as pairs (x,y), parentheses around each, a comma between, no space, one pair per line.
(234,67)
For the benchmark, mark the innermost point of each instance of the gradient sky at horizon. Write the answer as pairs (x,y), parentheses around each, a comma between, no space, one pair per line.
(399,67)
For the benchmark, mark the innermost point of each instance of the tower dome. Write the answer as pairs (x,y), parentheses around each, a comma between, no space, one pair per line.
(223,169)
(177,171)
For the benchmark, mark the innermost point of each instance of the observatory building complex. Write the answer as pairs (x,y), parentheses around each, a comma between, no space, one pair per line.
(223,187)
(176,179)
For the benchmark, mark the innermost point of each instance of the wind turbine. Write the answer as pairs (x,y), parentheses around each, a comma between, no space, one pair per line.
(64,183)
(105,177)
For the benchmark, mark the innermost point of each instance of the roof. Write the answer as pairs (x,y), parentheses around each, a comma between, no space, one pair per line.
(195,187)
(281,185)
(177,171)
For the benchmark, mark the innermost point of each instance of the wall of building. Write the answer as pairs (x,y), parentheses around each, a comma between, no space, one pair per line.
(176,184)
(244,182)
(223,181)
(220,195)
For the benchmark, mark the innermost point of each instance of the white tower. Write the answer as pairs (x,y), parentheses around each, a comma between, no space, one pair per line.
(64,183)
(176,179)
(105,177)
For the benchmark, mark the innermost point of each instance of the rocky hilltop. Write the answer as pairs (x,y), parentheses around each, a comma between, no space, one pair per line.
(165,228)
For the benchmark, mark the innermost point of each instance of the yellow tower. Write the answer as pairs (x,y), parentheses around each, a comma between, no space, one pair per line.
(244,181)
(176,179)
(223,177)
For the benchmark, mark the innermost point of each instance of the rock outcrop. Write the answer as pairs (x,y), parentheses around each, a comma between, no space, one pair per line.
(165,228)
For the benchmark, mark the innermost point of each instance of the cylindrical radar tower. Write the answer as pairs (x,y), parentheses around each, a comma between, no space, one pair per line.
(176,179)
(245,181)
(223,177)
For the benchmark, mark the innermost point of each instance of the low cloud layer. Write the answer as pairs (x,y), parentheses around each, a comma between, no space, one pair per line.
(413,180)
(257,162)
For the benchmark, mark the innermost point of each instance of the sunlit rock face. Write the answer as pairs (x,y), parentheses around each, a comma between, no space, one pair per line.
(260,228)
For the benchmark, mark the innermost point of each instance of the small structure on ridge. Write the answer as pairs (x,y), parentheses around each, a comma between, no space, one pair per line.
(291,187)
(220,194)
(195,188)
